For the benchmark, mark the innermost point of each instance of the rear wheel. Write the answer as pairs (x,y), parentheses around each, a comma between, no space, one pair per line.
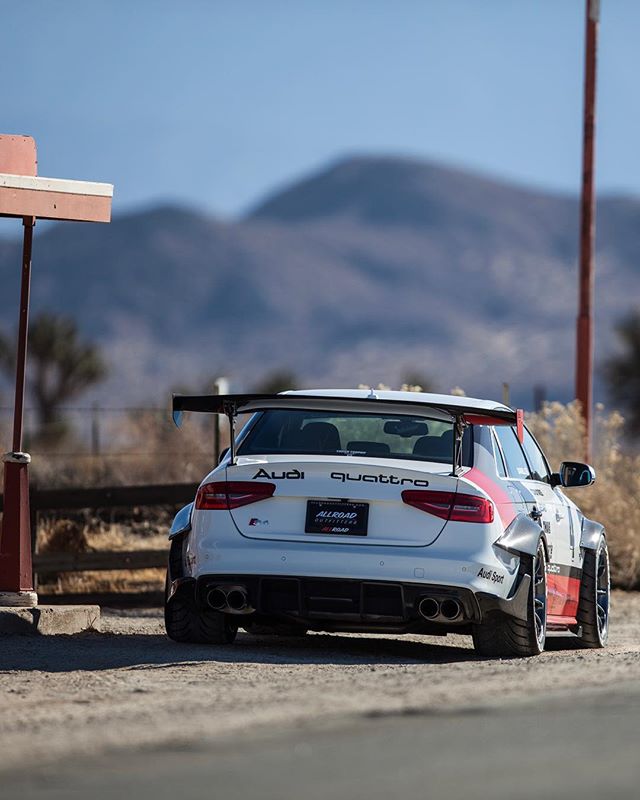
(184,622)
(514,637)
(593,608)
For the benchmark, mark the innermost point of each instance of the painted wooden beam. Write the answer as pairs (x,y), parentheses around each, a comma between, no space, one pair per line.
(52,198)
(24,194)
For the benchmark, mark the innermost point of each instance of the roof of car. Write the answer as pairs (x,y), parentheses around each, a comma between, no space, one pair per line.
(407,397)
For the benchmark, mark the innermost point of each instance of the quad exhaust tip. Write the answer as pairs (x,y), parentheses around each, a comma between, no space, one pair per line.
(217,599)
(237,599)
(232,599)
(450,609)
(429,607)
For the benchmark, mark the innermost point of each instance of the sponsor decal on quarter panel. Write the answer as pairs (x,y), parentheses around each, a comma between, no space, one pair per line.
(563,589)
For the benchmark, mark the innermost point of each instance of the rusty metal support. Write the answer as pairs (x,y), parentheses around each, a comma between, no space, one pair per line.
(15,539)
(584,332)
(16,574)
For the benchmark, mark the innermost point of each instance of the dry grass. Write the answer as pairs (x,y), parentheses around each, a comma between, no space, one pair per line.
(614,499)
(73,536)
(139,580)
(76,536)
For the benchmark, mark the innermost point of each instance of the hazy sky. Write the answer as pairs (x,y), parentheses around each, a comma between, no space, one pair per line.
(214,103)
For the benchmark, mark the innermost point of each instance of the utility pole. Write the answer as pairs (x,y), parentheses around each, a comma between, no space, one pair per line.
(585,338)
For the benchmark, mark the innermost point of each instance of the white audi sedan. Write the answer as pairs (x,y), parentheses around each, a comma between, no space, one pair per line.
(390,512)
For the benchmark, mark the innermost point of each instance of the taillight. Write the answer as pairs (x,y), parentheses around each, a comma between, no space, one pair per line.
(451,506)
(232,494)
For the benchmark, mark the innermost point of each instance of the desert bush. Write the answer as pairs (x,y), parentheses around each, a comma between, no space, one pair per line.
(614,499)
(94,534)
(65,536)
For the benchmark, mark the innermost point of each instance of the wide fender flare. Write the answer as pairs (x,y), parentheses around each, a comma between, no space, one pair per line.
(592,533)
(522,536)
(181,522)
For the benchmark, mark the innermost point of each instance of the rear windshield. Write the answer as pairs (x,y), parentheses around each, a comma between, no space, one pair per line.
(335,433)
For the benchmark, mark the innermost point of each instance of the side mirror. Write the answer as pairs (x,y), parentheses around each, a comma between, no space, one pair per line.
(573,474)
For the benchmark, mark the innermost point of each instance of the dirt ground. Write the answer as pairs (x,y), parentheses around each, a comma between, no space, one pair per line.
(130,687)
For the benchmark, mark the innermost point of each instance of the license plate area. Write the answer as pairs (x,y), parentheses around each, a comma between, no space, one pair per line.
(337,518)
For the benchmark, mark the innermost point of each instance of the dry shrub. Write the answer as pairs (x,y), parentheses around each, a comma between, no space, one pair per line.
(74,536)
(614,499)
(64,536)
(139,580)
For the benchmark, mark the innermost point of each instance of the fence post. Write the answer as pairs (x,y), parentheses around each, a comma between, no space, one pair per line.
(95,430)
(539,397)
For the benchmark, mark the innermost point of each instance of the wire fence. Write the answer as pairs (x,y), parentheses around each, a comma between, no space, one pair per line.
(120,444)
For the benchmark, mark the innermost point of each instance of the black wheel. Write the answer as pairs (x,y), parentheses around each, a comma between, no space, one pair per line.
(184,622)
(514,637)
(593,607)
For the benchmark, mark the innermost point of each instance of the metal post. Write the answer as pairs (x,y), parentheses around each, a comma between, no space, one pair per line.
(16,579)
(95,430)
(23,324)
(584,333)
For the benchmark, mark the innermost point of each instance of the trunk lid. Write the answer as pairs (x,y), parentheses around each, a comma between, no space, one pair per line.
(357,482)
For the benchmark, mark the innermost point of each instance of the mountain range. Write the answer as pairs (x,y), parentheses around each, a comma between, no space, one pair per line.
(369,270)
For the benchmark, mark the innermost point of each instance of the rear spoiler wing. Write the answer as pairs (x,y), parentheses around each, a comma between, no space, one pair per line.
(233,404)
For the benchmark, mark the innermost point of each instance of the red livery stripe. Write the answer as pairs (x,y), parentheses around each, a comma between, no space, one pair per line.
(505,506)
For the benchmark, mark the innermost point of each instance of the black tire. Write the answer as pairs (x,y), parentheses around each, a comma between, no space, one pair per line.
(184,622)
(593,606)
(176,558)
(507,636)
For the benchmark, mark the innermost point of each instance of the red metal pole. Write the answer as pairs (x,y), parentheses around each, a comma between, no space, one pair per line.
(15,541)
(585,338)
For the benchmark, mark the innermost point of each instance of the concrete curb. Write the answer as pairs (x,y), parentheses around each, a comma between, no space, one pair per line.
(49,620)
(18,599)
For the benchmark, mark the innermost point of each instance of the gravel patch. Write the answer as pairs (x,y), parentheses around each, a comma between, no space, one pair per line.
(131,687)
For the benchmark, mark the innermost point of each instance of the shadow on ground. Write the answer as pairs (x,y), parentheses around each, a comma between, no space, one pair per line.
(95,651)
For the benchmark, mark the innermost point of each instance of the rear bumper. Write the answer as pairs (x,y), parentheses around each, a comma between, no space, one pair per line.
(361,605)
